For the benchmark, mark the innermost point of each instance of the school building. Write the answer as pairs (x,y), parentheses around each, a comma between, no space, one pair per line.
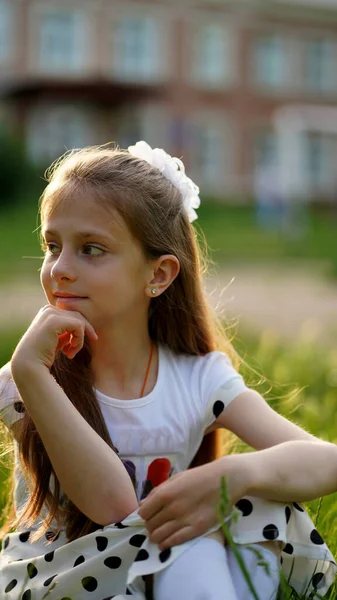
(231,86)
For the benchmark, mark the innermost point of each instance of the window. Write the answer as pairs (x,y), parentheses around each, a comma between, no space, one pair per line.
(320,65)
(54,130)
(270,61)
(208,144)
(211,59)
(6,30)
(60,41)
(320,161)
(265,149)
(136,49)
(127,127)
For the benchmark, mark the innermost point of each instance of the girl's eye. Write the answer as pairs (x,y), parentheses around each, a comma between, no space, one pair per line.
(91,250)
(49,248)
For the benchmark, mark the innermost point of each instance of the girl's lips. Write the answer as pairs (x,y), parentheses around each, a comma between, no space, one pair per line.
(69,298)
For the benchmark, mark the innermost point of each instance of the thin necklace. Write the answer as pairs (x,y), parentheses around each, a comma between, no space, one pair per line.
(147,370)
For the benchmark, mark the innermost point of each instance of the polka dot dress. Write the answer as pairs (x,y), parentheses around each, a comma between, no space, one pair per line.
(191,392)
(114,560)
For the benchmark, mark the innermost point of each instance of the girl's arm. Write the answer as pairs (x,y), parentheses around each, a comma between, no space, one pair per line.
(89,471)
(291,465)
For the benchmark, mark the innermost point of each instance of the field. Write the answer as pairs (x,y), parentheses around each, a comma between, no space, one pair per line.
(299,379)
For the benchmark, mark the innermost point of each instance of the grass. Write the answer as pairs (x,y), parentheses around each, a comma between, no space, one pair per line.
(299,381)
(231,233)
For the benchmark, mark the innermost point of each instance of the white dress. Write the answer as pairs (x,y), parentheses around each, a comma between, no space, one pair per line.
(157,436)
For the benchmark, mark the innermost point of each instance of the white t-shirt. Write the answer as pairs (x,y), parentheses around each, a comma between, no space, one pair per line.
(169,423)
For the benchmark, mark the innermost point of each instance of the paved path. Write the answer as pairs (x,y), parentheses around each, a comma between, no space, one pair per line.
(284,299)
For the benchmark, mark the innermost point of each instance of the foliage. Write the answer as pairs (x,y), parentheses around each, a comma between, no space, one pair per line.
(17,174)
(299,380)
(231,233)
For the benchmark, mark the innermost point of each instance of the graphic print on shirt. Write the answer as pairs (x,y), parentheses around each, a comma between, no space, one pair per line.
(157,471)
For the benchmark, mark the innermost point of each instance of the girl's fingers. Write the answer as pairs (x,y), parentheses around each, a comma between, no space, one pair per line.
(184,534)
(150,506)
(90,332)
(162,533)
(155,522)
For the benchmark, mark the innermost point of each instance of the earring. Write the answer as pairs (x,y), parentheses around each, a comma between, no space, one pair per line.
(153,291)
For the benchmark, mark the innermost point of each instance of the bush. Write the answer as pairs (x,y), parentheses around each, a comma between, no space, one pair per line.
(17,173)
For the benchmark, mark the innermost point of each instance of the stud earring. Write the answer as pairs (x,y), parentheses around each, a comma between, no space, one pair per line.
(153,291)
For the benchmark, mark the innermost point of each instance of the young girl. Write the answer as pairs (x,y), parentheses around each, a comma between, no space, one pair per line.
(110,392)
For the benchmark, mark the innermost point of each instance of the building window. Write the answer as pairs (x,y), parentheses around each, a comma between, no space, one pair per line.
(136,48)
(320,65)
(208,154)
(270,61)
(211,55)
(54,130)
(6,30)
(60,47)
(265,149)
(320,152)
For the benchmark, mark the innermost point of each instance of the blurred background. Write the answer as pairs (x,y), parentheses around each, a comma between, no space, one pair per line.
(245,92)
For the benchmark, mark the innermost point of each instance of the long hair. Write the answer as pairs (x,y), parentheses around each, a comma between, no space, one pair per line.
(180,318)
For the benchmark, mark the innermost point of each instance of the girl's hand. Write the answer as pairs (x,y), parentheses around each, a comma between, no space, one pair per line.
(186,505)
(51,331)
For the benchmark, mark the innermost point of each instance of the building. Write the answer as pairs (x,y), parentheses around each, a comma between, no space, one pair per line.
(209,80)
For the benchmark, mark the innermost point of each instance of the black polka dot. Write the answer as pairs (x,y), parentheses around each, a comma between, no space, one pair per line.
(89,583)
(49,556)
(65,598)
(113,562)
(31,570)
(165,555)
(120,526)
(316,538)
(24,537)
(128,593)
(49,580)
(101,542)
(245,506)
(79,560)
(288,549)
(19,407)
(27,595)
(270,532)
(6,541)
(288,513)
(142,555)
(110,598)
(218,407)
(51,536)
(11,585)
(298,507)
(137,540)
(281,561)
(318,580)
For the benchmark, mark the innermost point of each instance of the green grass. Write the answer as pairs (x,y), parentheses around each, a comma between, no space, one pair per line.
(300,382)
(301,378)
(231,233)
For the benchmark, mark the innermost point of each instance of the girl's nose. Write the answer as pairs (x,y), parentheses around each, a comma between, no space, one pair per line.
(63,269)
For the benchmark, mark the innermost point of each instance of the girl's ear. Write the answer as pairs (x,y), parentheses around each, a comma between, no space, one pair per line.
(164,270)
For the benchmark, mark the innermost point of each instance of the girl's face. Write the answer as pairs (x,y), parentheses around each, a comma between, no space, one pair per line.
(91,257)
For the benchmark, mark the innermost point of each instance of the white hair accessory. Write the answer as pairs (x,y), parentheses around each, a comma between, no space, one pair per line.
(174,170)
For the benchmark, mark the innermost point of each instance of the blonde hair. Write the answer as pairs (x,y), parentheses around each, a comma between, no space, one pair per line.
(152,208)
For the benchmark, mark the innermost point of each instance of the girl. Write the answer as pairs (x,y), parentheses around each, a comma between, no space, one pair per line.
(110,392)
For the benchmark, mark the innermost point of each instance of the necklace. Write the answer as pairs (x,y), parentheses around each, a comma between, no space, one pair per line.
(147,370)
